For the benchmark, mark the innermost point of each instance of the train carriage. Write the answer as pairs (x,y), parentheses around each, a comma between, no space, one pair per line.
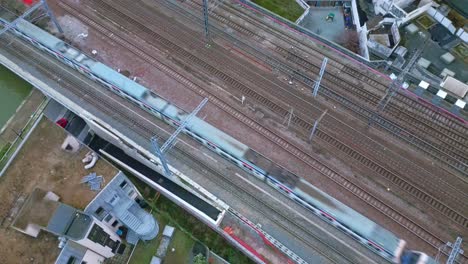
(334,212)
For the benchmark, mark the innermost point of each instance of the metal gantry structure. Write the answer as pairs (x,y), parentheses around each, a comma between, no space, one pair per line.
(396,84)
(456,249)
(314,93)
(319,79)
(170,142)
(43,4)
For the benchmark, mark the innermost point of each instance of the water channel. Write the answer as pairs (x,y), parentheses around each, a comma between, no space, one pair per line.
(13,90)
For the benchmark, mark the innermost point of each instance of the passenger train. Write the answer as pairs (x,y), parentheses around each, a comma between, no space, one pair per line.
(363,230)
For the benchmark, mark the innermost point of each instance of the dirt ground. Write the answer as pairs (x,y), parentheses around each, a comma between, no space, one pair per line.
(42,163)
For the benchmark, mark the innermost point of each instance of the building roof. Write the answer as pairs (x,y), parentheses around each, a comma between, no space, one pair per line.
(71,250)
(37,210)
(455,86)
(61,219)
(116,199)
(79,226)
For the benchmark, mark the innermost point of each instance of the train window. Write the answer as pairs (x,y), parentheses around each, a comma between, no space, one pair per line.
(247,167)
(327,217)
(373,246)
(147,107)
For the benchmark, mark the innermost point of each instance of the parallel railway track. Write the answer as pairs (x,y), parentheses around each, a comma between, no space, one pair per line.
(454,214)
(392,213)
(147,129)
(445,143)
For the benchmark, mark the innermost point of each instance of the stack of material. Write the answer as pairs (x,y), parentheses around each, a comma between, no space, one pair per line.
(94,182)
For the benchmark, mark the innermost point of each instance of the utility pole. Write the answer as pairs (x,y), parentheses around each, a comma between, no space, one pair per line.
(206,23)
(319,79)
(314,128)
(160,151)
(43,4)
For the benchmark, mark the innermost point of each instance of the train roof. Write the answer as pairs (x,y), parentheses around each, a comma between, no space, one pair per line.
(201,128)
(130,87)
(218,137)
(38,34)
(349,217)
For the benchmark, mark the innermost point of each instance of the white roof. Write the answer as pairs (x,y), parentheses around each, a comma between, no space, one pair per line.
(441,93)
(168,231)
(424,85)
(460,103)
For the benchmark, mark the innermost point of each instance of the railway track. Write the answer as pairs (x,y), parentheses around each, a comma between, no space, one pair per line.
(373,80)
(447,143)
(391,176)
(147,130)
(360,193)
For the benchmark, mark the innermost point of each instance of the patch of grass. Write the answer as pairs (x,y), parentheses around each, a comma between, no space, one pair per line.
(178,217)
(144,251)
(288,9)
(4,149)
(182,244)
(425,21)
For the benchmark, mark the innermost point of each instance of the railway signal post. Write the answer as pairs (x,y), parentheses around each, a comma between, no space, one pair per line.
(171,140)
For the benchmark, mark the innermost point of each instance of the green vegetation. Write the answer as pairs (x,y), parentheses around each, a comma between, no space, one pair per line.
(182,244)
(198,231)
(4,149)
(288,9)
(425,21)
(144,251)
(462,51)
(199,259)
